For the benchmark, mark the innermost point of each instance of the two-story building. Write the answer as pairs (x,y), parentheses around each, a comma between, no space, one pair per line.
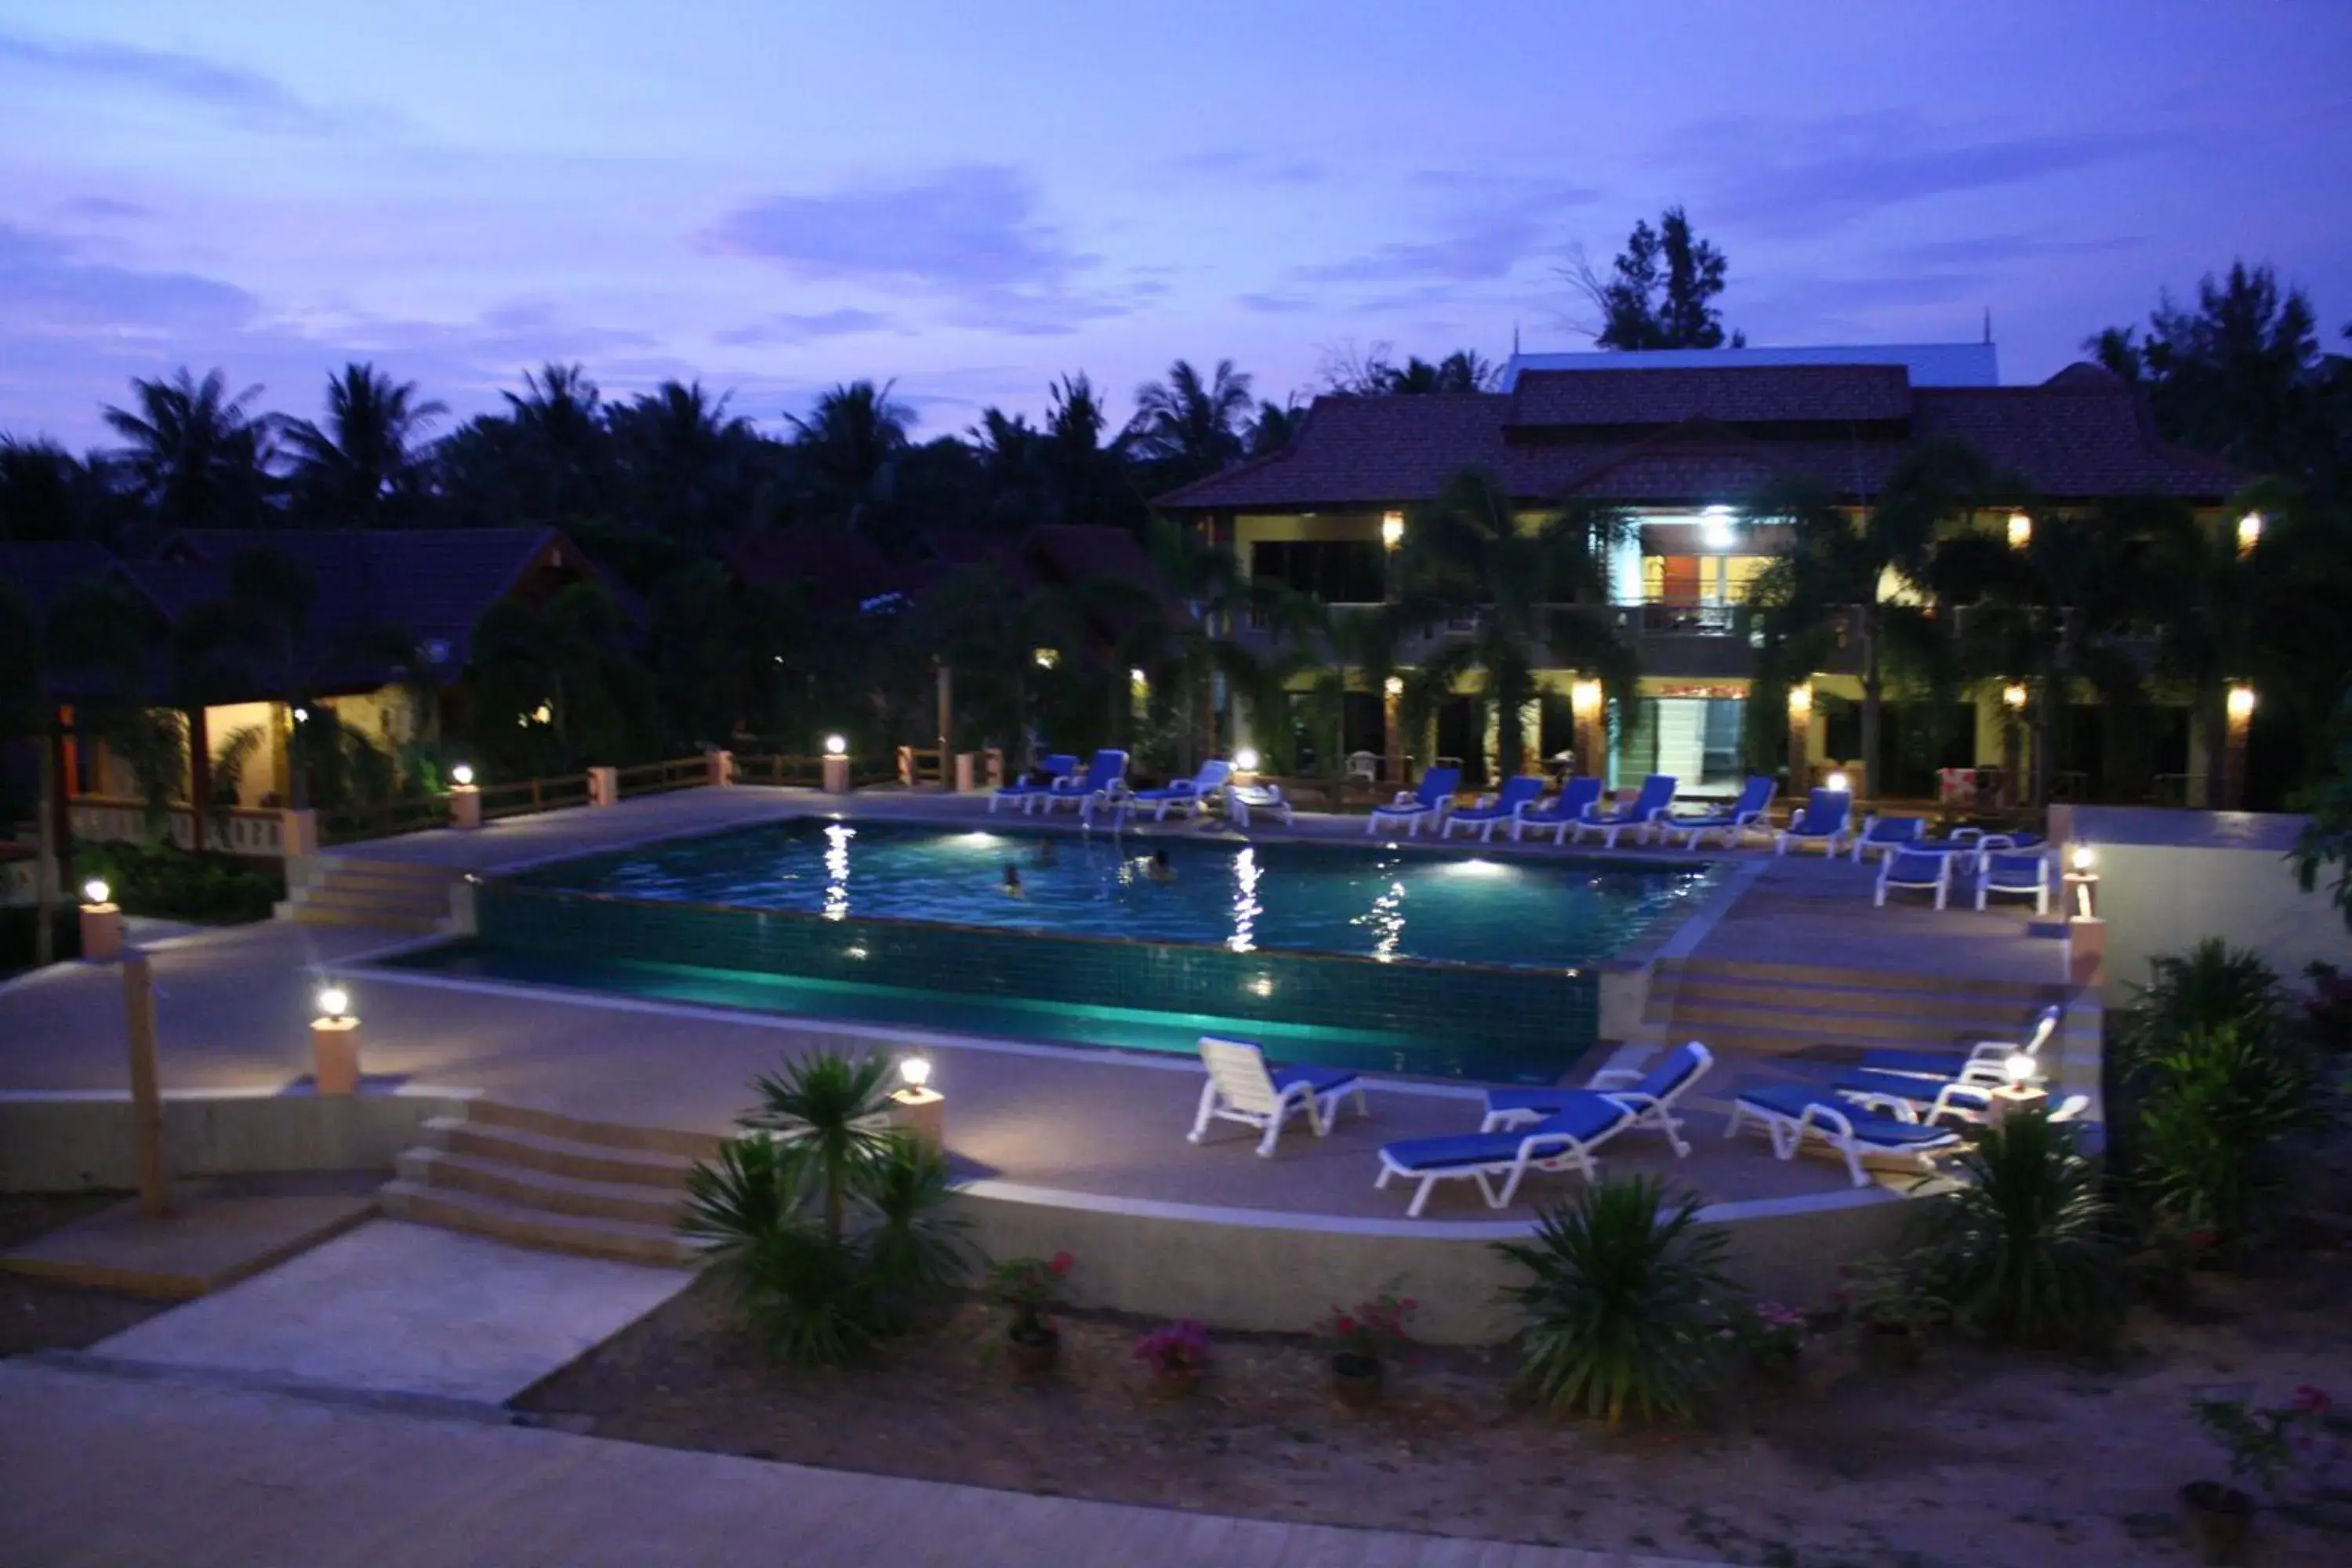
(1678,441)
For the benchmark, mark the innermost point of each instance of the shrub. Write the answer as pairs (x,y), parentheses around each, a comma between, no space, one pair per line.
(2026,1252)
(1371,1329)
(1175,1350)
(2302,1441)
(823,1221)
(2213,986)
(1029,1286)
(1765,1331)
(1617,1310)
(2213,1147)
(174,884)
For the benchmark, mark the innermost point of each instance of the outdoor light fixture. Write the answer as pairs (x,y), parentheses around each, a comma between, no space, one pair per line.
(1393,686)
(1137,678)
(333,1002)
(95,891)
(2082,857)
(2250,532)
(542,714)
(462,775)
(1800,699)
(1246,760)
(916,1072)
(301,715)
(1392,529)
(1838,784)
(1584,696)
(2021,531)
(1047,658)
(2017,1068)
(2241,702)
(836,746)
(1715,532)
(2013,695)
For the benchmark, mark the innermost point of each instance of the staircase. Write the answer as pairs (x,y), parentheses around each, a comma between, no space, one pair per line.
(1789,1010)
(536,1178)
(349,890)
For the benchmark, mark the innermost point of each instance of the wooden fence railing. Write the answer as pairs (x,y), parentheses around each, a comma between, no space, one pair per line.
(348,825)
(236,830)
(653,778)
(523,796)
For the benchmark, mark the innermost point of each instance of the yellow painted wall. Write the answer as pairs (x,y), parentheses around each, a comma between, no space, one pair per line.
(265,768)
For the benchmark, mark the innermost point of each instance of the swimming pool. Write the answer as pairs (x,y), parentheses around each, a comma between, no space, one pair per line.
(1386,956)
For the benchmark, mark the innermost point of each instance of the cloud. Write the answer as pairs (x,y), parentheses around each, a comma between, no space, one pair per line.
(1994,249)
(245,97)
(1483,225)
(54,292)
(1797,174)
(791,326)
(1254,168)
(1275,304)
(104,207)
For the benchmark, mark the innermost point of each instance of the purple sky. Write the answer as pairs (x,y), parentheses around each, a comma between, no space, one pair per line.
(973,199)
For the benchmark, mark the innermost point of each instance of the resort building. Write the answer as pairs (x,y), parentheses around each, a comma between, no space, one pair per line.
(1677,443)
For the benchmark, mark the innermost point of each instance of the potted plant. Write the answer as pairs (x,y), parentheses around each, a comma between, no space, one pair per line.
(1177,1354)
(1895,1314)
(1768,1336)
(2269,1445)
(1359,1337)
(1029,1286)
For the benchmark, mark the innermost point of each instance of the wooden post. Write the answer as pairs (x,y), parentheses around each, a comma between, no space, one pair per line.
(146,1089)
(947,713)
(200,775)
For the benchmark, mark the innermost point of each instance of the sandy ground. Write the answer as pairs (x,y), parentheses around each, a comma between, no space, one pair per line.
(1976,1460)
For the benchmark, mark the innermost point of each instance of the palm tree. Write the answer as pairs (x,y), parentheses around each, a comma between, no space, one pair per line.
(1189,426)
(350,471)
(46,493)
(195,457)
(688,466)
(562,657)
(828,1113)
(1184,641)
(1834,567)
(1539,598)
(558,440)
(851,443)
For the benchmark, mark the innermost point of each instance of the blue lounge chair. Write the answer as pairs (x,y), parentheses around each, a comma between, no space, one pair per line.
(1241,1088)
(1884,835)
(1650,1095)
(1503,805)
(1429,804)
(1108,768)
(1650,805)
(1733,823)
(1923,870)
(1185,795)
(1981,1063)
(1792,1112)
(1909,1099)
(2003,871)
(1821,820)
(1560,812)
(1561,1141)
(1060,765)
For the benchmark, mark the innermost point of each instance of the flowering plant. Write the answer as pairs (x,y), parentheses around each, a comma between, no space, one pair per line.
(2272,1443)
(1765,1330)
(1174,1348)
(1029,1286)
(1371,1326)
(1885,1296)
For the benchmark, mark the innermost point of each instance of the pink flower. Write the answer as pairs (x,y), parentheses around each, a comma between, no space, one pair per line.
(1060,1264)
(1408,1305)
(2311,1398)
(1346,1325)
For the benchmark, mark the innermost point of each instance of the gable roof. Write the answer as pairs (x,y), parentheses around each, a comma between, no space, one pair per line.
(1704,436)
(44,570)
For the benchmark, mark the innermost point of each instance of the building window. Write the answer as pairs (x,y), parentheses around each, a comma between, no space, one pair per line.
(1700,579)
(1337,571)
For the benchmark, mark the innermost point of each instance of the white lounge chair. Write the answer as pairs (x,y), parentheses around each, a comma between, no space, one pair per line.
(1560,813)
(1561,1141)
(1885,835)
(1242,1087)
(1733,822)
(1108,768)
(1821,820)
(1642,815)
(1185,795)
(1983,1062)
(1026,792)
(1429,802)
(1504,805)
(2025,874)
(1921,870)
(1792,1112)
(1651,1095)
(1242,800)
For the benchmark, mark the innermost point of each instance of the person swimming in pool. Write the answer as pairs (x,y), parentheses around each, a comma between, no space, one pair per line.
(1158,868)
(1013,889)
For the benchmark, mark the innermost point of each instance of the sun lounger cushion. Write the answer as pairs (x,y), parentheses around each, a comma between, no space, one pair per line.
(1791,1099)
(1589,1116)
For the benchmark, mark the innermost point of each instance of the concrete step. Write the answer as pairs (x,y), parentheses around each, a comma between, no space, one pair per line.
(603,1134)
(2027,995)
(397,908)
(1853,1013)
(354,865)
(658,1207)
(557,1156)
(482,1215)
(313,914)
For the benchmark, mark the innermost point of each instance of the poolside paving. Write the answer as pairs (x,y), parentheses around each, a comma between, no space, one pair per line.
(100,1470)
(234,1007)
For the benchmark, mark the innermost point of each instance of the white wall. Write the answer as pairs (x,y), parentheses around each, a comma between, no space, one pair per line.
(2164,899)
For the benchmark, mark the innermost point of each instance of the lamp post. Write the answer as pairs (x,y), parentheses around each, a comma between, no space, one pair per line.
(465,797)
(1800,737)
(2013,698)
(1585,706)
(1392,733)
(836,764)
(335,1042)
(2240,706)
(101,923)
(917,1109)
(2250,533)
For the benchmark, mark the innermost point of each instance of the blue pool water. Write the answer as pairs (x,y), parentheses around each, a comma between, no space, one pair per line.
(1382,957)
(1373,901)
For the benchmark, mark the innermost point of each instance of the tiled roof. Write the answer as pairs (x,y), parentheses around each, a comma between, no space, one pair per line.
(1761,395)
(2081,436)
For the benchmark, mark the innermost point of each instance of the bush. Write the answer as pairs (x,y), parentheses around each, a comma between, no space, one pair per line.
(173,884)
(2026,1252)
(2217,1122)
(823,1221)
(2213,986)
(1617,1313)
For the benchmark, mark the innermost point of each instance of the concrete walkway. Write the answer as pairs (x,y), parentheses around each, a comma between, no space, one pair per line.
(103,1470)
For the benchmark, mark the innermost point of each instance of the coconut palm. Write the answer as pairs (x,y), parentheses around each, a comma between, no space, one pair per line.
(193,453)
(1189,425)
(850,445)
(688,468)
(348,472)
(46,493)
(557,445)
(827,1113)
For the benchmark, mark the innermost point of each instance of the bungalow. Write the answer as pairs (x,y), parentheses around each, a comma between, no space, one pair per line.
(1675,441)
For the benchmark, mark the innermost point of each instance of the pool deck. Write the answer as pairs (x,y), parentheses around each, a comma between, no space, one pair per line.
(234,1006)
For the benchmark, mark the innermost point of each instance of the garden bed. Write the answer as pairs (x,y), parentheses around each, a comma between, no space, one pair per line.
(1979,1458)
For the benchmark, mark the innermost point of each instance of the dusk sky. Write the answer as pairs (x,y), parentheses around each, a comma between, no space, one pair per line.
(974,199)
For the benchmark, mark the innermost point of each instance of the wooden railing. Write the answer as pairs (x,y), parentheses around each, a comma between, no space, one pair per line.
(524,796)
(921,766)
(385,819)
(778,768)
(653,778)
(236,830)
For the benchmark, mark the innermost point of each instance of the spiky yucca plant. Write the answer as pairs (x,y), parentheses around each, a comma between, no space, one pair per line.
(2026,1250)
